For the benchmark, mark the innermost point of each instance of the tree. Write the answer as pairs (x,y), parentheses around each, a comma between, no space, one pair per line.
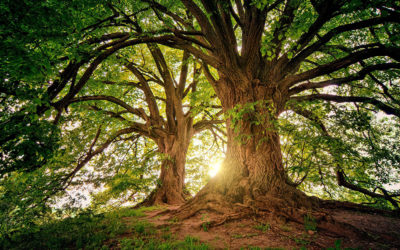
(263,58)
(145,99)
(270,56)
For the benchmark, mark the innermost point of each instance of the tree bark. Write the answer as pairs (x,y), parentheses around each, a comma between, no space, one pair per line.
(252,173)
(170,189)
(171,184)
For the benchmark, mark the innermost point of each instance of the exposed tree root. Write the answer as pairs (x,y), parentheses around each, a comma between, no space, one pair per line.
(160,196)
(294,206)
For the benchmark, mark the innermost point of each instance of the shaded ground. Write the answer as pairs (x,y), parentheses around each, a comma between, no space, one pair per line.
(264,231)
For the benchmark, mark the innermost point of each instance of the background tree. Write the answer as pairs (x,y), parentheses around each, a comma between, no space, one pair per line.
(91,42)
(141,95)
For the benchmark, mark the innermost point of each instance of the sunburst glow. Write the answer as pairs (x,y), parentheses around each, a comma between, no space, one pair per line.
(214,168)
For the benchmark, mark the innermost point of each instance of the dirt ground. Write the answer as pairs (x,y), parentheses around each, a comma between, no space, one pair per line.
(265,231)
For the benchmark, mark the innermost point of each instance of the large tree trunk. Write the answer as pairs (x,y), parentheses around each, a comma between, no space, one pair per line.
(252,174)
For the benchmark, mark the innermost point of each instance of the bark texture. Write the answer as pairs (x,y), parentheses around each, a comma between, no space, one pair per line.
(171,186)
(252,175)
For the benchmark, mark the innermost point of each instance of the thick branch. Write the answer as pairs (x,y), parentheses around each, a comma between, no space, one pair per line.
(340,99)
(295,62)
(341,179)
(339,81)
(99,59)
(205,124)
(150,99)
(342,63)
(183,73)
(202,19)
(138,112)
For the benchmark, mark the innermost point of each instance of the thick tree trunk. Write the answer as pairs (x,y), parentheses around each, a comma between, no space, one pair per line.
(252,174)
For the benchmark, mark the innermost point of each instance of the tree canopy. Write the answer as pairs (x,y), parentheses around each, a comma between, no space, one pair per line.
(309,90)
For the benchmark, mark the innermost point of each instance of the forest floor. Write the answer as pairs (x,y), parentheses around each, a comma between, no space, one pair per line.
(261,232)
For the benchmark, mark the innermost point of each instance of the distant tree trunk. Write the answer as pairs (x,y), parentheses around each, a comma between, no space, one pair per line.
(172,176)
(171,183)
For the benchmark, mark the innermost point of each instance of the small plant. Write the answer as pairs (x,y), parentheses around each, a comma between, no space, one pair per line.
(139,243)
(191,240)
(263,227)
(300,240)
(126,244)
(250,235)
(337,246)
(310,223)
(166,233)
(174,220)
(206,224)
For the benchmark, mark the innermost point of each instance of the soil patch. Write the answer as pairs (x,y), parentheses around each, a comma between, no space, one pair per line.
(266,231)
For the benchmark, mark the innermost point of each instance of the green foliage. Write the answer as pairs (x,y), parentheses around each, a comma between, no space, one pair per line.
(36,34)
(26,142)
(144,228)
(258,114)
(126,244)
(206,223)
(362,145)
(338,246)
(33,39)
(82,229)
(255,112)
(41,39)
(23,198)
(189,242)
(86,230)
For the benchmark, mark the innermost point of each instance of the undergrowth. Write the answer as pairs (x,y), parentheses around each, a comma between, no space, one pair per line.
(189,243)
(89,230)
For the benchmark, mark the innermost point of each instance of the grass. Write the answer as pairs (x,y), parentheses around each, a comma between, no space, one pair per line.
(206,223)
(190,243)
(98,231)
(263,227)
(86,230)
(264,248)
